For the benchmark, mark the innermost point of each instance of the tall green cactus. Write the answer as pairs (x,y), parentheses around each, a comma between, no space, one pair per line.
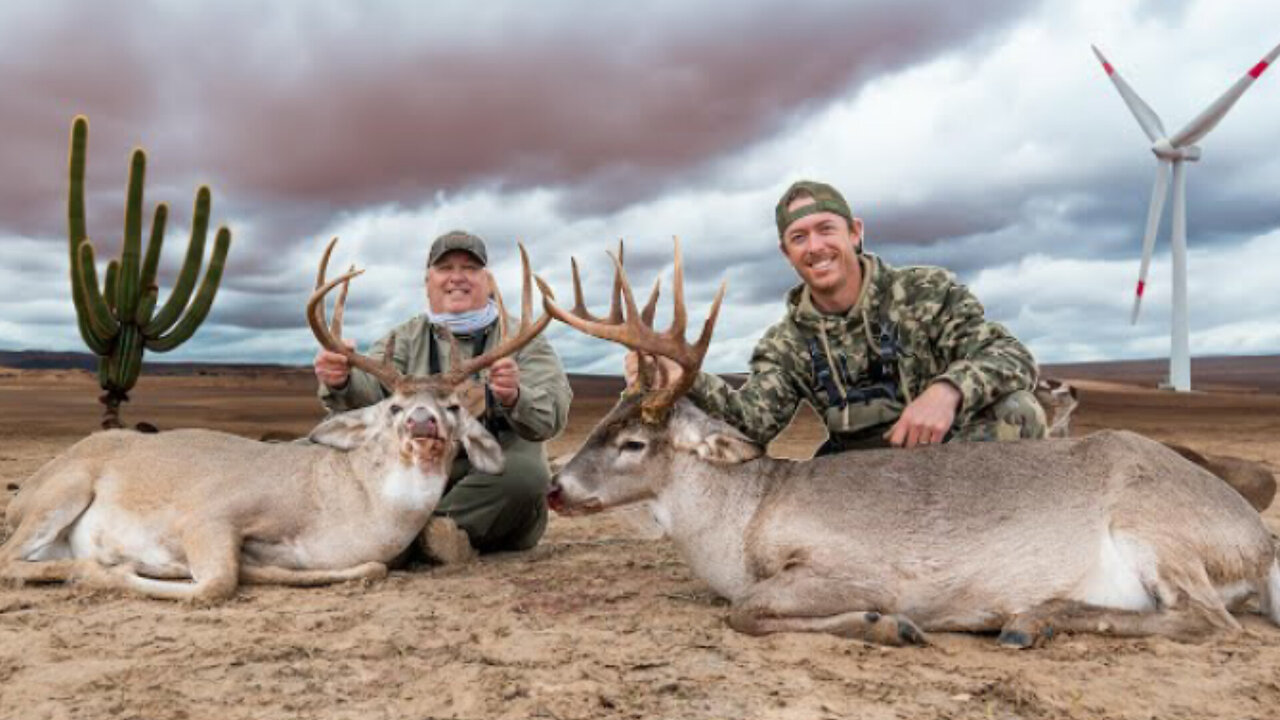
(119,321)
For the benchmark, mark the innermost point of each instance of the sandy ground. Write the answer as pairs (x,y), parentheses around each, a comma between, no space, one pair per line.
(596,622)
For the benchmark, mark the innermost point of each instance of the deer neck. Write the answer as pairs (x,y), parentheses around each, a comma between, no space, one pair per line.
(390,477)
(706,510)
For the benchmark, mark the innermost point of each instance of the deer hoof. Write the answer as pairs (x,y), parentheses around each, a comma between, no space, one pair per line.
(894,630)
(1021,639)
(909,634)
(1015,639)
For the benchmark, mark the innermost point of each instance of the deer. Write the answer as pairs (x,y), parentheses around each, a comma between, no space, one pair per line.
(191,514)
(1110,533)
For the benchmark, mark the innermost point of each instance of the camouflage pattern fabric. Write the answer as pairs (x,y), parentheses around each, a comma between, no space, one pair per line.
(942,333)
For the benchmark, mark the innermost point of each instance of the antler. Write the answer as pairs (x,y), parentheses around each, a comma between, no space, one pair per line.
(330,336)
(508,345)
(633,328)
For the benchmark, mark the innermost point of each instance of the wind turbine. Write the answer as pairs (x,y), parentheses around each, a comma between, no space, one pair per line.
(1174,151)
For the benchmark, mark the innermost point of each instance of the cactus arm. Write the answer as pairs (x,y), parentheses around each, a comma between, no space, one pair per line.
(152,260)
(109,284)
(181,292)
(146,306)
(104,370)
(204,298)
(130,358)
(127,287)
(75,201)
(93,306)
(76,232)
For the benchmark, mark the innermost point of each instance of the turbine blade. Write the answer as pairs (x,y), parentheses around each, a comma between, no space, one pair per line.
(1158,193)
(1209,118)
(1147,118)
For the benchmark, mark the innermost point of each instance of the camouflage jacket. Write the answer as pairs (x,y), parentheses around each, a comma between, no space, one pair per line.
(941,335)
(539,414)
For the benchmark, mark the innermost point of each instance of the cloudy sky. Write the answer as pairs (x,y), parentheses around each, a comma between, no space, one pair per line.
(982,136)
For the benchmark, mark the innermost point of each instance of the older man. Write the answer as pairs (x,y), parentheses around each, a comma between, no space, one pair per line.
(527,403)
(887,356)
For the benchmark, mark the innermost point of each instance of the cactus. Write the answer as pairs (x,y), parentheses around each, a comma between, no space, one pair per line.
(120,320)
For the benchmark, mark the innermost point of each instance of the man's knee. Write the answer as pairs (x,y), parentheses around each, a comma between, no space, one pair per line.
(1016,416)
(526,479)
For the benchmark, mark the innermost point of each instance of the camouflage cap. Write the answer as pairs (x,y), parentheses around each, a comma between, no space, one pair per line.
(458,240)
(825,199)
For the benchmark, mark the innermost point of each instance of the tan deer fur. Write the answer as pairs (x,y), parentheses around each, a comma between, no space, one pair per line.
(149,513)
(1110,533)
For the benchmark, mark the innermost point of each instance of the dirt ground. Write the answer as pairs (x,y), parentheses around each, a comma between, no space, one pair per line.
(598,621)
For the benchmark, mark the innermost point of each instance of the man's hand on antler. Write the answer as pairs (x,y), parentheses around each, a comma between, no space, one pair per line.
(504,381)
(672,375)
(333,369)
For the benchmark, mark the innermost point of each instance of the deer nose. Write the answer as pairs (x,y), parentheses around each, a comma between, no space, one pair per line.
(421,423)
(555,498)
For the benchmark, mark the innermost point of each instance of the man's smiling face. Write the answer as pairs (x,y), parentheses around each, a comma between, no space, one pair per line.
(456,283)
(822,247)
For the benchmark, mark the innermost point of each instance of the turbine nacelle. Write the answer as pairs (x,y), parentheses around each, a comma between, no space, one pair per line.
(1165,150)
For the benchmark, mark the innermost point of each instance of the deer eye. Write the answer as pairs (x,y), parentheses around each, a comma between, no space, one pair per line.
(632,446)
(454,408)
(395,409)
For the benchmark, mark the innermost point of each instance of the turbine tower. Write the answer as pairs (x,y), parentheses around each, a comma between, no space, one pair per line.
(1174,152)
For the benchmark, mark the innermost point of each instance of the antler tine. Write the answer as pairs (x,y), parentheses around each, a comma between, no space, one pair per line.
(508,345)
(385,373)
(502,307)
(651,306)
(690,361)
(679,316)
(579,305)
(316,315)
(704,340)
(324,261)
(619,280)
(340,307)
(526,288)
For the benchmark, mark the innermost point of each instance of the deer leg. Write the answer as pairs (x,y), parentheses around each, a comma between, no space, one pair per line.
(269,575)
(1188,622)
(41,534)
(795,600)
(47,571)
(213,555)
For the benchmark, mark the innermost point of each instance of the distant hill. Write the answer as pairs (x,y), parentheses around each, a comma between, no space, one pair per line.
(49,360)
(1230,373)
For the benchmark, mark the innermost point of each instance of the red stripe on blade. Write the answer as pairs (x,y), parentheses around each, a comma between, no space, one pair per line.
(1258,69)
(1107,66)
(1141,286)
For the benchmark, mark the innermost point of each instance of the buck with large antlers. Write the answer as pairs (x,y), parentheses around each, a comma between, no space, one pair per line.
(1111,533)
(190,514)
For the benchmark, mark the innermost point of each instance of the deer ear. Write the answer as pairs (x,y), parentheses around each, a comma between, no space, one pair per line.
(713,441)
(727,449)
(344,431)
(483,451)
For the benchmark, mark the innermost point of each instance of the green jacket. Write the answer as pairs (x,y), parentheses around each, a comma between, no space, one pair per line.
(539,414)
(942,335)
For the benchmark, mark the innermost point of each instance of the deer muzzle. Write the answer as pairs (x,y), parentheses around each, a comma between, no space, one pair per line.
(422,424)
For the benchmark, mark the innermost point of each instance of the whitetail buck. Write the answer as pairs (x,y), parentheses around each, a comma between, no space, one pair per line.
(150,512)
(1111,533)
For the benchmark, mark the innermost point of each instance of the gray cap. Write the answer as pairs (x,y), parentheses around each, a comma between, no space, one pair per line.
(458,240)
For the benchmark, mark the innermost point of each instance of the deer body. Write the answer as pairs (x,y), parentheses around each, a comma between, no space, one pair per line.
(148,512)
(221,509)
(1112,532)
